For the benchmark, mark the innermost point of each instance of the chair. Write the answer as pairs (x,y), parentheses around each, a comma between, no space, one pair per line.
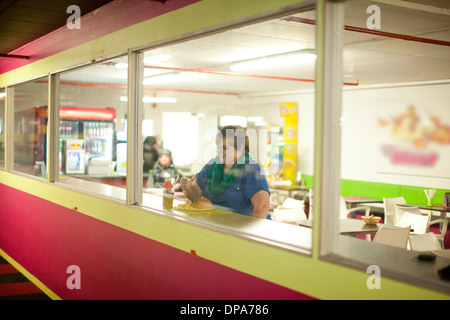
(389,213)
(311,199)
(290,211)
(396,237)
(411,216)
(446,201)
(442,228)
(344,212)
(289,215)
(424,242)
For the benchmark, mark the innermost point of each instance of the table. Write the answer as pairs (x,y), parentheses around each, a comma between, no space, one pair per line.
(442,253)
(353,201)
(290,189)
(441,209)
(351,227)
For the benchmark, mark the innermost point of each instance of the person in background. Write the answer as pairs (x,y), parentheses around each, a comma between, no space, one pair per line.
(151,153)
(232,180)
(164,169)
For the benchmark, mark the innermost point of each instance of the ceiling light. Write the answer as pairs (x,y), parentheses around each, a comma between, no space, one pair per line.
(158,58)
(121,65)
(153,99)
(276,60)
(159,100)
(254,119)
(164,77)
(233,120)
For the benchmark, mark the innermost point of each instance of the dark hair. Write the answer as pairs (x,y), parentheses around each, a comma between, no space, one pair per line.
(150,140)
(238,134)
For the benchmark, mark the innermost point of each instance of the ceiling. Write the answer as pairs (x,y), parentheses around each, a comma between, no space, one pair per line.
(368,59)
(22,21)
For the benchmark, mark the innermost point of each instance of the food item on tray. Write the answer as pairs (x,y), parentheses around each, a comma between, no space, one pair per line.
(203,203)
(199,203)
(371,219)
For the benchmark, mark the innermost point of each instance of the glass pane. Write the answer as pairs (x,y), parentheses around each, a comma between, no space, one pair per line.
(260,77)
(2,127)
(92,137)
(395,116)
(30,127)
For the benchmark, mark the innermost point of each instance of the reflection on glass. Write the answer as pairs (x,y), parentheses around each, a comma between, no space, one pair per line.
(2,127)
(395,124)
(260,77)
(30,127)
(92,135)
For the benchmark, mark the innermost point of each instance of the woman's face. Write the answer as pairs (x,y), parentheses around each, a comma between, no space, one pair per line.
(227,152)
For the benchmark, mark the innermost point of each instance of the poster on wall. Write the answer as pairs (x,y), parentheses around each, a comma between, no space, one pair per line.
(415,141)
(288,111)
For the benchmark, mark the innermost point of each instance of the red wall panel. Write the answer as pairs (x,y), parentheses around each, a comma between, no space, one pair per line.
(46,238)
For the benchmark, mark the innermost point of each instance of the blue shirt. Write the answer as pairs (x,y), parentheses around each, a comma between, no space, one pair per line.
(236,197)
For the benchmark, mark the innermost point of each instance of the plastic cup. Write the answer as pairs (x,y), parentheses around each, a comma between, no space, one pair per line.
(168,199)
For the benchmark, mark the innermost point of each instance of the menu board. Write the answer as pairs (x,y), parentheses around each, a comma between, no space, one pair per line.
(288,111)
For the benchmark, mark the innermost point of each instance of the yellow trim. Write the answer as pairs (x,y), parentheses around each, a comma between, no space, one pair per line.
(208,14)
(308,275)
(29,276)
(301,273)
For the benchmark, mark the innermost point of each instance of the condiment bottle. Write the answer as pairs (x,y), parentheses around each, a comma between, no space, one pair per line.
(168,193)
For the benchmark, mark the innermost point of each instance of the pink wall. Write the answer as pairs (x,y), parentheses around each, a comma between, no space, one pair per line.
(107,19)
(46,238)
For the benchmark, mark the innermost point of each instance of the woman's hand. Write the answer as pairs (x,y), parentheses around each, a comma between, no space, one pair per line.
(185,183)
(190,188)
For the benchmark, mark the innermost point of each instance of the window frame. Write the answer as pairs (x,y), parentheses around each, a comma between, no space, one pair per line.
(329,245)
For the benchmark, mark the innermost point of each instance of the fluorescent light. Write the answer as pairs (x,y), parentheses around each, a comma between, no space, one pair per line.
(158,58)
(277,60)
(159,100)
(121,65)
(2,94)
(254,119)
(164,77)
(233,120)
(153,99)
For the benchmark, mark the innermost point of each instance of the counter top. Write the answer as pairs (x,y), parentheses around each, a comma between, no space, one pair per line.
(279,234)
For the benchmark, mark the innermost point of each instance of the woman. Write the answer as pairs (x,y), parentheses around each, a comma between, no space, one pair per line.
(163,169)
(232,180)
(151,153)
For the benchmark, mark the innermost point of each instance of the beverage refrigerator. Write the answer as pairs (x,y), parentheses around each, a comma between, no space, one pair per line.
(91,131)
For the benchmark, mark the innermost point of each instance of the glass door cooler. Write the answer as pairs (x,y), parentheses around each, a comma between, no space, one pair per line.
(92,128)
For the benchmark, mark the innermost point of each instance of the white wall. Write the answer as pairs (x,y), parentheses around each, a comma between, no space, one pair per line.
(363,139)
(375,149)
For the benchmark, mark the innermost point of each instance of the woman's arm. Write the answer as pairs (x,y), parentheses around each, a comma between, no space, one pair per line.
(261,203)
(190,188)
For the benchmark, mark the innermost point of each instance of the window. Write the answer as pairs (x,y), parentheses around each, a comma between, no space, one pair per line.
(252,76)
(30,127)
(2,127)
(93,127)
(394,101)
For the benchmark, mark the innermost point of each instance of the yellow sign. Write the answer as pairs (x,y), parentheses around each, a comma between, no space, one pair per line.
(288,110)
